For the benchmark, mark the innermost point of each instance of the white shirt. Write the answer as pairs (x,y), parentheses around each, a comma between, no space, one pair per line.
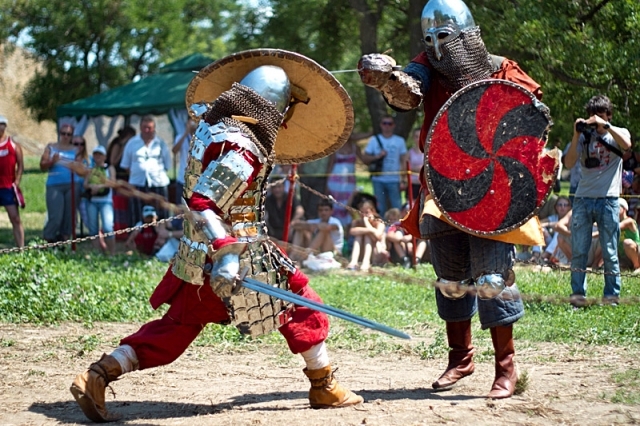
(396,148)
(147,164)
(337,235)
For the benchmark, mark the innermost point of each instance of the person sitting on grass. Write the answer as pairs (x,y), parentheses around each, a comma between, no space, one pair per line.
(369,238)
(321,235)
(629,244)
(399,242)
(150,239)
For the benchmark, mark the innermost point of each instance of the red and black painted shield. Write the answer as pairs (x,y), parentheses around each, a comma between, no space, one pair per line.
(485,162)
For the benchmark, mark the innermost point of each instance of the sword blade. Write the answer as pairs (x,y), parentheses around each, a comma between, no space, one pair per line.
(287,296)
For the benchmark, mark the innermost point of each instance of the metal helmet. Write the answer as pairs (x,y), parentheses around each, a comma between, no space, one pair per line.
(442,21)
(271,82)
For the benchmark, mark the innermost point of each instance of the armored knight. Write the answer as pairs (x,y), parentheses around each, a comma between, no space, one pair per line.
(474,272)
(238,140)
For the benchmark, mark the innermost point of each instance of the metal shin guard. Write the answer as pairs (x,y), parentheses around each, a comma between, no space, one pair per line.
(326,392)
(506,378)
(460,355)
(89,387)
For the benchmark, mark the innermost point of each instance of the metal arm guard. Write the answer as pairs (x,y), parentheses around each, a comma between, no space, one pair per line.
(224,180)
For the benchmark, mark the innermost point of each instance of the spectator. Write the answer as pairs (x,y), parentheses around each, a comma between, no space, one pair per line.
(314,174)
(57,159)
(151,239)
(120,201)
(80,170)
(594,144)
(634,193)
(562,206)
(147,159)
(630,168)
(422,249)
(342,179)
(11,169)
(99,200)
(629,244)
(116,149)
(553,253)
(324,234)
(387,186)
(399,243)
(275,206)
(181,149)
(369,243)
(416,161)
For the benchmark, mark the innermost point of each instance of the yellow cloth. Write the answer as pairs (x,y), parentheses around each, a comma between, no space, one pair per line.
(529,234)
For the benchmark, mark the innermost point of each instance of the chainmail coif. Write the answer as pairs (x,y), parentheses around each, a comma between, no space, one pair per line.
(464,60)
(244,101)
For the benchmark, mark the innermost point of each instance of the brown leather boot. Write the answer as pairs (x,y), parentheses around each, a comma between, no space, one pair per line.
(506,375)
(88,388)
(326,392)
(460,356)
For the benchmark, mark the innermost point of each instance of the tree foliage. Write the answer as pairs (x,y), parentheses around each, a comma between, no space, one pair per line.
(573,48)
(88,46)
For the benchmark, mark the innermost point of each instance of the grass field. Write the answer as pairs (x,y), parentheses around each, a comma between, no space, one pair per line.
(58,286)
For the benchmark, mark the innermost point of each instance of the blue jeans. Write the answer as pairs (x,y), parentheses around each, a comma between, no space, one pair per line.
(387,195)
(604,212)
(102,211)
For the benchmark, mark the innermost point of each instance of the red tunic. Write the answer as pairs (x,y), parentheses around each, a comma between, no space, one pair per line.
(8,161)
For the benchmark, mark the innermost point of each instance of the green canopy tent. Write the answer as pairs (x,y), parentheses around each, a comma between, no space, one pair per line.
(156,94)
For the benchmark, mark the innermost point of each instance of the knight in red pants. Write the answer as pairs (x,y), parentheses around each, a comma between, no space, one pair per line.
(234,148)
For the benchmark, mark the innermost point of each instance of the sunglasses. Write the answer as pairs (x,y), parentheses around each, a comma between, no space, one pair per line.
(65,134)
(79,144)
(387,123)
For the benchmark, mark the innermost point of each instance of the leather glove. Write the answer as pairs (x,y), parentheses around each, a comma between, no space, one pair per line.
(375,69)
(224,273)
(402,91)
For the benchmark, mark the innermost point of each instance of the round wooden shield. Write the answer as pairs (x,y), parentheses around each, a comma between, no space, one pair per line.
(485,163)
(316,127)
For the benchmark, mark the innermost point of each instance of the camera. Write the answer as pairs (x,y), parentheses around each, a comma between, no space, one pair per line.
(582,127)
(591,163)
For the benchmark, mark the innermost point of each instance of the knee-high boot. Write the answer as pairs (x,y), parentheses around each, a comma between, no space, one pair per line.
(460,355)
(504,384)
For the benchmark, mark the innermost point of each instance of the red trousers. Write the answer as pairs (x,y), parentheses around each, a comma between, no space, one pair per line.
(162,341)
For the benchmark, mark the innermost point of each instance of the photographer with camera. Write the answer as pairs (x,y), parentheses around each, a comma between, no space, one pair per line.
(599,146)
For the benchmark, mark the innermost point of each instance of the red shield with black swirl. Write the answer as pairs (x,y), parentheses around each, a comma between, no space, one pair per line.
(485,163)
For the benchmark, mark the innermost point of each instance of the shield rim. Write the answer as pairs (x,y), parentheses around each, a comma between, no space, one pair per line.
(326,145)
(428,140)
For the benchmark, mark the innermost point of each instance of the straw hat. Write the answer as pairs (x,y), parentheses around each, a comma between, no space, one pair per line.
(320,119)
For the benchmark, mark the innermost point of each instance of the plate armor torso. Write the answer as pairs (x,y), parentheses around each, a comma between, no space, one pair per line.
(224,181)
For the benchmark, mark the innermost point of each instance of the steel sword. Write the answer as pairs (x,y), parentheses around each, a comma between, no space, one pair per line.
(287,296)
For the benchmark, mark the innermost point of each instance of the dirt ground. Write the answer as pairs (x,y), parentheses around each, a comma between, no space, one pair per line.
(567,386)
